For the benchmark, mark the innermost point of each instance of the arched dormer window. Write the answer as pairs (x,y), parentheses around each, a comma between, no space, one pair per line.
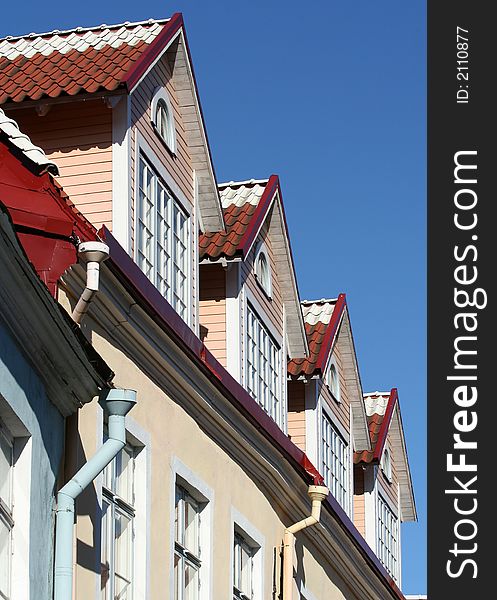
(162,119)
(333,381)
(386,464)
(263,270)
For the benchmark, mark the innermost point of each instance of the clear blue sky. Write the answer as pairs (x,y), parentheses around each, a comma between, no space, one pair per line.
(330,96)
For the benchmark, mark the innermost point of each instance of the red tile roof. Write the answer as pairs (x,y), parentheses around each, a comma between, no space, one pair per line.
(379,410)
(80,60)
(244,206)
(321,320)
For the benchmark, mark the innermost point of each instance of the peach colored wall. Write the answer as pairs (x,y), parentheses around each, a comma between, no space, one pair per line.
(390,488)
(359,504)
(212,309)
(296,413)
(77,136)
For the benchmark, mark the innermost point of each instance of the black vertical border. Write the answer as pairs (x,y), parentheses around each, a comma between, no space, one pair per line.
(454,127)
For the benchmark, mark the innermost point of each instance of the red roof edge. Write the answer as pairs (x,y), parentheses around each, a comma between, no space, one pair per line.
(139,68)
(331,332)
(259,215)
(385,424)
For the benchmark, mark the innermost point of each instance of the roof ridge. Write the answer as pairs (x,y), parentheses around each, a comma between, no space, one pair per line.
(21,141)
(367,394)
(240,183)
(102,26)
(321,301)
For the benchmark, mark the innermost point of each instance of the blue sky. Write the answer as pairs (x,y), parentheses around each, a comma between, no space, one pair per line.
(330,96)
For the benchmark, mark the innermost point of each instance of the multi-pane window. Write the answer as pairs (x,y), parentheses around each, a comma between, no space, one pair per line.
(388,538)
(118,515)
(6,520)
(164,123)
(187,561)
(334,382)
(263,367)
(262,272)
(386,464)
(335,462)
(162,239)
(243,568)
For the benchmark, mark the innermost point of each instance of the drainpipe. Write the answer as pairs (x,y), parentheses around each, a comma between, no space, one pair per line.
(117,403)
(93,253)
(317,494)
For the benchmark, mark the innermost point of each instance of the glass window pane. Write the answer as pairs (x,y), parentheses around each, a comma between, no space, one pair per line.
(191,582)
(191,530)
(123,575)
(106,558)
(5,551)
(5,470)
(177,577)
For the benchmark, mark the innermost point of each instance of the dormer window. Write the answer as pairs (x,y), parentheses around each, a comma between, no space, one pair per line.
(386,464)
(162,119)
(333,381)
(262,270)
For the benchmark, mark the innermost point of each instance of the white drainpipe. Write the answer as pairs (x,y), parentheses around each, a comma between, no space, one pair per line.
(117,403)
(317,493)
(93,253)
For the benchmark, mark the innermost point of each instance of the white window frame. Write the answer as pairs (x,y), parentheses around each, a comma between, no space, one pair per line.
(386,464)
(242,527)
(333,366)
(267,285)
(173,205)
(183,476)
(273,403)
(7,511)
(388,537)
(162,97)
(186,555)
(126,507)
(341,437)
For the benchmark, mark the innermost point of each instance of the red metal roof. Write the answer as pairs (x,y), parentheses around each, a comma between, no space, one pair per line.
(103,58)
(321,332)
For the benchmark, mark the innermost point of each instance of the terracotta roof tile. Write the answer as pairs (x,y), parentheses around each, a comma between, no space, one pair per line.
(317,319)
(376,407)
(239,202)
(84,60)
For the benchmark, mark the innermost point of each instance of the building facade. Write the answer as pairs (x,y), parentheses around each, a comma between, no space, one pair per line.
(246,396)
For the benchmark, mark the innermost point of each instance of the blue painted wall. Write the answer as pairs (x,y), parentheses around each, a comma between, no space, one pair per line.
(22,390)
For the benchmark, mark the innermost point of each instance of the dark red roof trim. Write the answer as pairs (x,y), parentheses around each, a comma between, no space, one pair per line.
(331,332)
(153,51)
(382,435)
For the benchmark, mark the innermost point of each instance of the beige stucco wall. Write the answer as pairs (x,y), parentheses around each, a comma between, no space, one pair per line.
(174,435)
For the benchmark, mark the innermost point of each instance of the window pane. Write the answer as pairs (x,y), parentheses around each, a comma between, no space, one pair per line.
(124,463)
(4,558)
(191,530)
(177,577)
(106,558)
(5,470)
(123,533)
(191,582)
(335,457)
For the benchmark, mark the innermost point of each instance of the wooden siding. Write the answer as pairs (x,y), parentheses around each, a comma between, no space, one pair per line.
(77,136)
(388,488)
(341,410)
(178,166)
(359,501)
(212,309)
(272,307)
(296,413)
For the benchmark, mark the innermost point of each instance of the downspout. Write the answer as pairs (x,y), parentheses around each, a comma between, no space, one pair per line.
(317,494)
(117,403)
(93,253)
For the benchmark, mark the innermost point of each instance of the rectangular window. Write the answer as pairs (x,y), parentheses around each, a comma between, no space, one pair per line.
(162,239)
(187,549)
(335,462)
(6,505)
(243,569)
(388,538)
(263,367)
(118,514)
